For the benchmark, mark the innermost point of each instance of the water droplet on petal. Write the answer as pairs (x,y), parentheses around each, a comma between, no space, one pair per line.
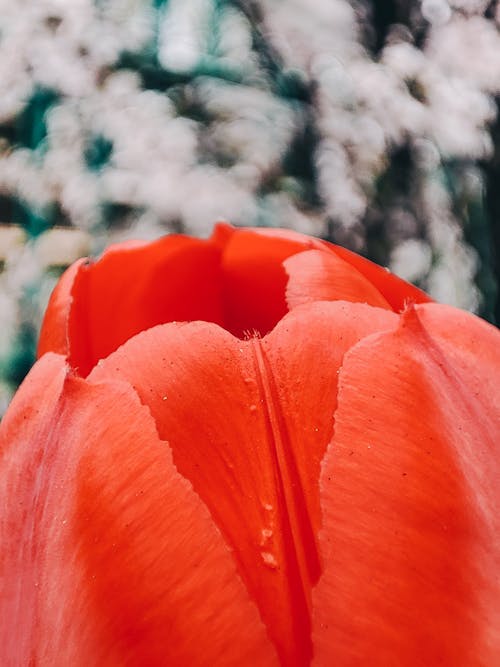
(253,408)
(265,536)
(269,559)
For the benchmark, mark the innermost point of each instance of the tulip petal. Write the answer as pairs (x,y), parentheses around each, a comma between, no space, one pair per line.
(132,287)
(108,557)
(248,423)
(54,331)
(316,275)
(410,491)
(305,353)
(396,291)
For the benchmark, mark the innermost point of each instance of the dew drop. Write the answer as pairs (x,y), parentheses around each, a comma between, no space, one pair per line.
(267,506)
(269,559)
(164,398)
(265,536)
(253,408)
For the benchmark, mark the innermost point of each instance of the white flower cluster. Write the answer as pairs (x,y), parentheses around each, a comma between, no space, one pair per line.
(437,100)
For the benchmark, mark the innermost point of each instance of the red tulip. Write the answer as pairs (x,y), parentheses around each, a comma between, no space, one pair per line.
(191,475)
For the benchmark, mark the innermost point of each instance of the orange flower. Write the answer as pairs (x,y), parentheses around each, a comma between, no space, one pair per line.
(192,475)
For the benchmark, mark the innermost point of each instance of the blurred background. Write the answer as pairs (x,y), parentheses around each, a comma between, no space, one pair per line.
(372,123)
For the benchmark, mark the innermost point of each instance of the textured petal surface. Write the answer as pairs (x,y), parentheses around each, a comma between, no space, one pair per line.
(411,499)
(248,423)
(316,275)
(107,556)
